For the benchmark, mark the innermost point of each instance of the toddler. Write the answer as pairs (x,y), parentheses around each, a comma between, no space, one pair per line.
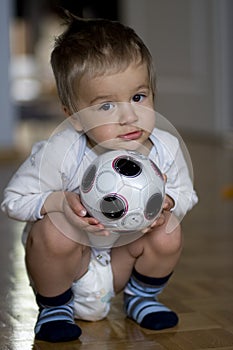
(106,84)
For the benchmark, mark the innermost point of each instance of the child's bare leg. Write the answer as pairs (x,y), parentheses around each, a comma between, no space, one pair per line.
(152,259)
(54,262)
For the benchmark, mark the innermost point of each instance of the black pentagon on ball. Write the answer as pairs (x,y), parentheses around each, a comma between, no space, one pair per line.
(153,206)
(127,166)
(113,206)
(88,178)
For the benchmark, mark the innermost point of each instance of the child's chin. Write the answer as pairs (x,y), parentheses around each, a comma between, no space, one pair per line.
(131,145)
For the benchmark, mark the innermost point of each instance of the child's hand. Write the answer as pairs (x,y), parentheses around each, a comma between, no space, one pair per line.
(77,215)
(168,203)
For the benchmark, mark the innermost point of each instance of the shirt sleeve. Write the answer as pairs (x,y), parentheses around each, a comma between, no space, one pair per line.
(175,163)
(50,167)
(23,197)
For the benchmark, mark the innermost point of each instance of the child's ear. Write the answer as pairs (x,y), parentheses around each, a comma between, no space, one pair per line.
(74,118)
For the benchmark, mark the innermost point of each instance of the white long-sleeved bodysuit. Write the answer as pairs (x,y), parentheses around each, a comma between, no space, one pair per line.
(58,163)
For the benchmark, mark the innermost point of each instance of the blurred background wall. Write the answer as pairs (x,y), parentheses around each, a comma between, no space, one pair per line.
(192,45)
(190,40)
(6,110)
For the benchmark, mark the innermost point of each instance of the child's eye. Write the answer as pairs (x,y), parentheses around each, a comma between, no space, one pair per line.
(107,106)
(138,97)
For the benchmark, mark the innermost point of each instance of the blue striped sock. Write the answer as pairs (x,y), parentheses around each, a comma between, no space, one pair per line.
(55,321)
(141,304)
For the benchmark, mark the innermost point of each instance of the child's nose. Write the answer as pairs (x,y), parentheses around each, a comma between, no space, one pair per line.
(128,114)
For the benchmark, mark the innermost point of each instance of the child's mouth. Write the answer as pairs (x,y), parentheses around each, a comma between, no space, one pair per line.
(132,135)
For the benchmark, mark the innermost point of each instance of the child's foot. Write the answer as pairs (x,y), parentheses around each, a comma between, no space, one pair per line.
(142,306)
(55,322)
(150,314)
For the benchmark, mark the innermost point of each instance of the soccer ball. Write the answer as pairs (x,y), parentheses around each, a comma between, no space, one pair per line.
(124,190)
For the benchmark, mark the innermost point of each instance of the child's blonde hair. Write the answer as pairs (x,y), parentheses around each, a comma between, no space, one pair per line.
(94,47)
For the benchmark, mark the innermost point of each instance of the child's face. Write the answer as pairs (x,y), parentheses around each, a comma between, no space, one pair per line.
(116,111)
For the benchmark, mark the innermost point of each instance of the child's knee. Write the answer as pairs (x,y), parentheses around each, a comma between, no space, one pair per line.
(175,242)
(46,236)
(166,243)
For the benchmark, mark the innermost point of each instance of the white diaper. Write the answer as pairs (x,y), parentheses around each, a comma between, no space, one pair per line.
(94,291)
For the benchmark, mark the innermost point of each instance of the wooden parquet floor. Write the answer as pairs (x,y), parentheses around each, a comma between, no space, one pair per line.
(201,289)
